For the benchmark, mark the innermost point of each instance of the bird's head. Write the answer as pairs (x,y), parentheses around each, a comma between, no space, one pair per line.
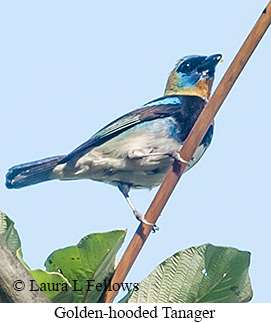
(193,75)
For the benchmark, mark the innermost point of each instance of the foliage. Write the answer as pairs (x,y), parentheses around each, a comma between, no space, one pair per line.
(9,233)
(81,273)
(91,262)
(71,272)
(205,274)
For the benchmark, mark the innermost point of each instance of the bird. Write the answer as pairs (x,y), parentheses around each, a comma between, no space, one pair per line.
(136,150)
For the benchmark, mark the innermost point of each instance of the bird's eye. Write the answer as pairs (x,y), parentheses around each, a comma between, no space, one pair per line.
(185,67)
(188,65)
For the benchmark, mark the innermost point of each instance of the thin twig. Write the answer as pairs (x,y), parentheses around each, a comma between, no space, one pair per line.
(193,140)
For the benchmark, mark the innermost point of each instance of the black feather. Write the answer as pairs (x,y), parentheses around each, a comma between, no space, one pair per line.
(31,173)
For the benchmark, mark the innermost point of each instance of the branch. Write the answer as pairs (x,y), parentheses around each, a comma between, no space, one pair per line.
(193,140)
(12,270)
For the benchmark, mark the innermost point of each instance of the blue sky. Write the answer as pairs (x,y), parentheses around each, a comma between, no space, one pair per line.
(68,68)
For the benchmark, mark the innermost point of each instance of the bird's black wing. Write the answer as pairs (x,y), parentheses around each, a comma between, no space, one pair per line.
(159,108)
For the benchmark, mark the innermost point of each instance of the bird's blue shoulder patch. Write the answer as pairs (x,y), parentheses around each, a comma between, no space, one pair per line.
(169,100)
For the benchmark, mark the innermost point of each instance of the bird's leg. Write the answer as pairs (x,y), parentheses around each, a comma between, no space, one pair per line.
(125,191)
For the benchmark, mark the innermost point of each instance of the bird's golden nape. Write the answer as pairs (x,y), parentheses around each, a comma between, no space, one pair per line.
(193,75)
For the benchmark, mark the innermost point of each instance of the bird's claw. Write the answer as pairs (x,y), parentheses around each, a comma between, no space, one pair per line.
(155,228)
(141,218)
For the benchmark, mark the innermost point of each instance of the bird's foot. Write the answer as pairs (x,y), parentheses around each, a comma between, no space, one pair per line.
(176,156)
(141,218)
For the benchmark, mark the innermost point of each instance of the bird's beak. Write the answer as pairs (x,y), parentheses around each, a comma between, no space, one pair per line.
(207,68)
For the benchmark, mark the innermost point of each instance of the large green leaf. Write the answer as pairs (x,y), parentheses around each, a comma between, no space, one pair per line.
(197,275)
(9,233)
(89,265)
(54,285)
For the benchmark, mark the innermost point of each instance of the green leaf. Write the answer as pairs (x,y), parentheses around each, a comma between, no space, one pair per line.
(19,255)
(9,233)
(11,236)
(53,285)
(197,275)
(90,262)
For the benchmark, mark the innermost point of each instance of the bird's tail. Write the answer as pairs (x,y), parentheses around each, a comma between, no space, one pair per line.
(32,173)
